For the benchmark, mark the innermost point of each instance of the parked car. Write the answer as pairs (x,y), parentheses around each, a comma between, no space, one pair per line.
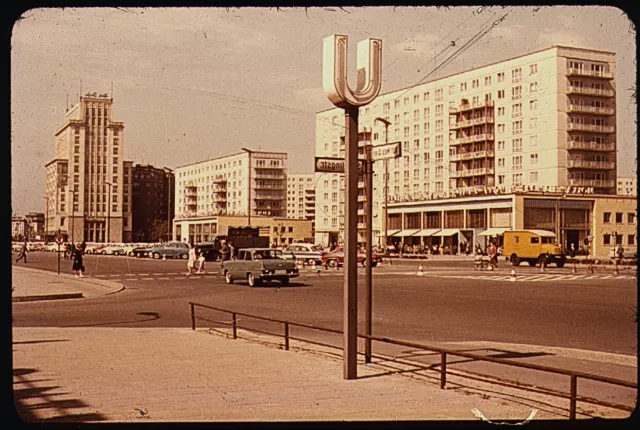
(94,248)
(112,250)
(336,258)
(169,250)
(257,265)
(626,254)
(142,250)
(307,252)
(210,251)
(128,249)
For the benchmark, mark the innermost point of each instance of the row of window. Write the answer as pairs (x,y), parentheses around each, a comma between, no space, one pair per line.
(619,218)
(631,239)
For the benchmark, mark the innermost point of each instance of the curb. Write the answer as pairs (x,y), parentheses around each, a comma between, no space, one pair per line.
(118,287)
(47,297)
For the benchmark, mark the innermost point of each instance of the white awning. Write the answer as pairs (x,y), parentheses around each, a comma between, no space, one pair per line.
(405,233)
(495,231)
(447,232)
(392,232)
(543,233)
(427,232)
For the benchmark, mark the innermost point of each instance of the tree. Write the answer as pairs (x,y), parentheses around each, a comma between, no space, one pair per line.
(158,231)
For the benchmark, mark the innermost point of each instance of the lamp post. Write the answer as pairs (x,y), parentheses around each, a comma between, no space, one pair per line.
(107,236)
(168,173)
(46,218)
(386,180)
(249,189)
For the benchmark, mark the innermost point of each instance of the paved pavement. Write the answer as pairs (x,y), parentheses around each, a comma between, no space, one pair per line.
(176,374)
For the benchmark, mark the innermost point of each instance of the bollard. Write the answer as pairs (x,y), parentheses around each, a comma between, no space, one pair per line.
(542,264)
(591,267)
(420,272)
(513,277)
(164,257)
(574,270)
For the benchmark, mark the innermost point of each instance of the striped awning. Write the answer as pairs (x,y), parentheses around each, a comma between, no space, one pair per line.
(392,232)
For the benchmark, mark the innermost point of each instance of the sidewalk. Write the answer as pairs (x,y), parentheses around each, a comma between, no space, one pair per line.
(177,374)
(33,284)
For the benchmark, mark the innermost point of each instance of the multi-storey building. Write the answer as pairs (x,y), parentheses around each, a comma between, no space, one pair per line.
(301,196)
(153,190)
(35,223)
(628,186)
(18,228)
(88,184)
(545,119)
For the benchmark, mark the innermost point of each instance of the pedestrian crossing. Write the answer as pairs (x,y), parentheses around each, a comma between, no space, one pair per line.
(541,278)
(170,276)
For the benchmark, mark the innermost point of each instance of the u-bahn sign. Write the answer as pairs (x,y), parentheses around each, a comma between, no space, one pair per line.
(334,165)
(388,150)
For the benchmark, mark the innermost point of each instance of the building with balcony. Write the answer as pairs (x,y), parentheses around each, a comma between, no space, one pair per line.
(544,119)
(627,186)
(153,208)
(301,196)
(88,183)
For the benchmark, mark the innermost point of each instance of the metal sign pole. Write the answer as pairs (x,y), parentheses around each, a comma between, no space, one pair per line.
(58,258)
(368,310)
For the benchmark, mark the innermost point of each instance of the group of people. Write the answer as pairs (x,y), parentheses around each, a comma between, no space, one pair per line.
(196,258)
(71,252)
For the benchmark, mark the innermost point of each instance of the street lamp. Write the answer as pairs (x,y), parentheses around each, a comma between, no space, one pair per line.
(169,171)
(108,212)
(249,189)
(386,180)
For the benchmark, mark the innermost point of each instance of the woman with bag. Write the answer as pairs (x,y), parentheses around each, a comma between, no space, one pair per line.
(191,262)
(76,256)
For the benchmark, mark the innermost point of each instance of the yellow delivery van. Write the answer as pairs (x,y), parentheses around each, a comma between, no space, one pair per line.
(533,246)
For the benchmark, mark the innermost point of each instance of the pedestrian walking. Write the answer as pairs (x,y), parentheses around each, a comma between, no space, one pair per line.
(78,266)
(232,251)
(573,250)
(201,259)
(191,260)
(620,254)
(493,255)
(22,254)
(224,252)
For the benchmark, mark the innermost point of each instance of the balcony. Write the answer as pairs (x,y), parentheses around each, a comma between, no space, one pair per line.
(591,110)
(586,164)
(589,73)
(471,155)
(191,192)
(362,198)
(591,146)
(220,199)
(472,172)
(591,128)
(470,106)
(264,175)
(590,91)
(268,197)
(268,187)
(471,122)
(191,199)
(599,183)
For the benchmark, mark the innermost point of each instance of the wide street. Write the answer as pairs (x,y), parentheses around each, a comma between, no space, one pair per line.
(450,303)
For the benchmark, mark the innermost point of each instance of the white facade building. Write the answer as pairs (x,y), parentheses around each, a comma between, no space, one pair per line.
(232,184)
(301,196)
(628,186)
(542,119)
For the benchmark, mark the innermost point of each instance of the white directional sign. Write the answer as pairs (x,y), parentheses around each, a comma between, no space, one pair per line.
(334,165)
(389,150)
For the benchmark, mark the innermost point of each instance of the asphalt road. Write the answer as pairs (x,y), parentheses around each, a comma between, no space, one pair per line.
(450,303)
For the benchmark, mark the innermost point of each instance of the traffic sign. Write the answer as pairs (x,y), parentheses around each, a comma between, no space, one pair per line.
(334,165)
(388,150)
(59,239)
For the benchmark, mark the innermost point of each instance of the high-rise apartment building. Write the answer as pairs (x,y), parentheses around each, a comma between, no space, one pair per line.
(153,199)
(88,184)
(544,119)
(628,186)
(301,196)
(246,183)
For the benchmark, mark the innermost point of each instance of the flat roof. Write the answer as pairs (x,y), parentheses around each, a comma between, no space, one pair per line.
(486,65)
(233,155)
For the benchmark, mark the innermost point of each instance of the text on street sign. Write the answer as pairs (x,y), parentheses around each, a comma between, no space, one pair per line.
(334,165)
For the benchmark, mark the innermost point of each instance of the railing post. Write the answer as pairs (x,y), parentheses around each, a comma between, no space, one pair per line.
(443,370)
(193,317)
(286,336)
(574,393)
(235,325)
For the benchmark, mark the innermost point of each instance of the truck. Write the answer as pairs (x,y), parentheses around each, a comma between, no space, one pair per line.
(533,246)
(240,237)
(258,265)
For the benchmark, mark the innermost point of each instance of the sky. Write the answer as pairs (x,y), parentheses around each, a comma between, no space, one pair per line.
(191,84)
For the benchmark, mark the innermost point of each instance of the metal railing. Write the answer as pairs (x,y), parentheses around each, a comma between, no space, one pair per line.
(574,375)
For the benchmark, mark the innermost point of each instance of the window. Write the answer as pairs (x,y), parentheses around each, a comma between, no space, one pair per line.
(533,87)
(115,169)
(533,143)
(516,93)
(619,218)
(463,86)
(517,145)
(533,69)
(533,177)
(500,162)
(631,218)
(426,127)
(76,149)
(607,217)
(619,239)
(534,159)
(439,125)
(501,111)
(406,101)
(533,122)
(517,162)
(500,94)
(487,80)
(115,141)
(425,96)
(452,89)
(416,115)
(500,128)
(516,127)
(632,239)
(427,141)
(290,229)
(516,75)
(115,151)
(76,169)
(438,110)
(439,94)
(517,179)
(533,105)
(416,129)
(607,239)
(516,110)
(535,239)
(501,77)
(475,83)
(501,145)
(500,179)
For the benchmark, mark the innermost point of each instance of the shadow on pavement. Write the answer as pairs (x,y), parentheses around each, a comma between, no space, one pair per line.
(152,316)
(60,410)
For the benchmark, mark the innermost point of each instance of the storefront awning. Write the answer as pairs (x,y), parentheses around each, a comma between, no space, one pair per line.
(447,232)
(495,231)
(427,232)
(405,233)
(392,232)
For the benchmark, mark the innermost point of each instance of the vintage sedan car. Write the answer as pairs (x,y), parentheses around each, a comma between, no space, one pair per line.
(336,258)
(169,250)
(257,265)
(306,252)
(112,250)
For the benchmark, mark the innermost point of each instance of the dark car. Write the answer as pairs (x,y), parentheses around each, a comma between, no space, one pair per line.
(210,250)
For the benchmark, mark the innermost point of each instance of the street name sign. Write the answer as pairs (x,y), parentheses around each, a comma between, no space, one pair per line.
(386,151)
(334,165)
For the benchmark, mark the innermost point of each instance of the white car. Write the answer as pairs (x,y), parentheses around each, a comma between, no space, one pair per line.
(128,249)
(112,250)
